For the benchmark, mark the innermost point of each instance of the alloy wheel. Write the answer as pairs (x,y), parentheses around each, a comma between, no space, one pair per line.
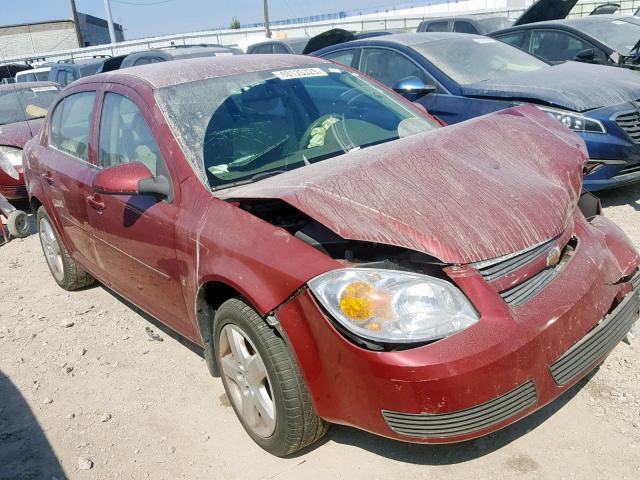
(247,381)
(51,248)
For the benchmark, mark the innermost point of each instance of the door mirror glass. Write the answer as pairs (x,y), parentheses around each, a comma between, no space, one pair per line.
(126,179)
(413,88)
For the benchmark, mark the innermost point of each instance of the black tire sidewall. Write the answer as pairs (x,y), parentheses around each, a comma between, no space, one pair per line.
(232,314)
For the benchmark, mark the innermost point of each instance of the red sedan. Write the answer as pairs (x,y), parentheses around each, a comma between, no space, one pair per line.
(339,256)
(22,108)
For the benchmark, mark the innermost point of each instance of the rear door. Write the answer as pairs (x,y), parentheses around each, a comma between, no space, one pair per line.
(67,167)
(137,232)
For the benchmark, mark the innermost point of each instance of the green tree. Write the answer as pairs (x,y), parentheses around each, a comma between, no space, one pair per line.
(235,23)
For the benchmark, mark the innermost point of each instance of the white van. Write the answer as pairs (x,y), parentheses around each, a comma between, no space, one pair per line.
(34,75)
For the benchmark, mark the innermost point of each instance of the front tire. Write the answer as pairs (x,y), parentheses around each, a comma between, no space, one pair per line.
(263,382)
(65,270)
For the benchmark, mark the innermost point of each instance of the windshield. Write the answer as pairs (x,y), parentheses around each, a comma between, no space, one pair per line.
(243,128)
(495,23)
(618,35)
(26,104)
(471,60)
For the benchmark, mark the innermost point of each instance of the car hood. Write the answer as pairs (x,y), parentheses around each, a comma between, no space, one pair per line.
(544,10)
(558,85)
(464,193)
(17,134)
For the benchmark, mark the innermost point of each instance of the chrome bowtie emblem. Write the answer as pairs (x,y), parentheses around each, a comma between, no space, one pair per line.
(553,257)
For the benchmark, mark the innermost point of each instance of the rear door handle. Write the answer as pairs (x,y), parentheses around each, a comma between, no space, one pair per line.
(48,178)
(95,203)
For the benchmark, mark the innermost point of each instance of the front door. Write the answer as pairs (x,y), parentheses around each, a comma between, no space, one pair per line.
(137,232)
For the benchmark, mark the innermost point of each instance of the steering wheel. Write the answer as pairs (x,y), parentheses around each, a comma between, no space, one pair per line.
(306,137)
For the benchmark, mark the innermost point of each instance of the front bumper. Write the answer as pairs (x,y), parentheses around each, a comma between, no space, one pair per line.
(11,188)
(483,378)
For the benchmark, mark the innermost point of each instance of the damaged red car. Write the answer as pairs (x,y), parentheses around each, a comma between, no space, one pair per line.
(339,256)
(22,109)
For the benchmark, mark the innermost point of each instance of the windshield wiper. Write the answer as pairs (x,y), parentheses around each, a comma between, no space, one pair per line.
(255,178)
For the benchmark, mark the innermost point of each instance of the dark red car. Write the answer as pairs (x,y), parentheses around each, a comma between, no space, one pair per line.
(22,109)
(340,257)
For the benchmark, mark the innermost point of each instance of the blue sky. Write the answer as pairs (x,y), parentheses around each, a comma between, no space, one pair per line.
(143,18)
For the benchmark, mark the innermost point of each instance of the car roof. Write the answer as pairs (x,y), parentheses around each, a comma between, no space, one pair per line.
(166,74)
(36,70)
(575,22)
(406,39)
(463,17)
(5,87)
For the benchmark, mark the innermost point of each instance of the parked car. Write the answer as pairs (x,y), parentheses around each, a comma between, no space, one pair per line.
(178,52)
(22,109)
(606,9)
(603,39)
(457,77)
(40,74)
(8,71)
(70,70)
(285,45)
(339,256)
(339,35)
(486,24)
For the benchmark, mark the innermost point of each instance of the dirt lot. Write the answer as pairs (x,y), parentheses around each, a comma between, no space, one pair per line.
(83,384)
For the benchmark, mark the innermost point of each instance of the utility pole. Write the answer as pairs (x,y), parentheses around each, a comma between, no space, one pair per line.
(76,23)
(112,31)
(267,30)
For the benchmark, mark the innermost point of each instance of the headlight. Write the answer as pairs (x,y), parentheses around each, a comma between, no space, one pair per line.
(391,306)
(575,121)
(10,158)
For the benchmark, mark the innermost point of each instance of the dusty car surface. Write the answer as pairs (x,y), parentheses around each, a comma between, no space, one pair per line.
(22,109)
(340,257)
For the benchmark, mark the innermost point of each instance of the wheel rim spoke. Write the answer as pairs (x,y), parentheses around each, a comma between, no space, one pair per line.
(247,381)
(52,249)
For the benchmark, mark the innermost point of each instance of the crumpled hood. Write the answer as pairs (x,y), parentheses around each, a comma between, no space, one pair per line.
(571,85)
(472,191)
(17,134)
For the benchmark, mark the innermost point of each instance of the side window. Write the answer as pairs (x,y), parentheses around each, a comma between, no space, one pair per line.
(71,123)
(515,39)
(442,26)
(279,48)
(345,57)
(556,46)
(465,27)
(61,77)
(125,136)
(267,48)
(389,67)
(143,61)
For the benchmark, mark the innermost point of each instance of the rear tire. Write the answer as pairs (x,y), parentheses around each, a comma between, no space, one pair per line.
(282,391)
(18,224)
(65,270)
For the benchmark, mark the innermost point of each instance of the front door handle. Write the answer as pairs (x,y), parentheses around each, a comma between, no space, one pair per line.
(95,203)
(48,178)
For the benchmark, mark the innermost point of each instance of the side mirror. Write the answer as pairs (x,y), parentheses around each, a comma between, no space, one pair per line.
(413,88)
(587,55)
(131,179)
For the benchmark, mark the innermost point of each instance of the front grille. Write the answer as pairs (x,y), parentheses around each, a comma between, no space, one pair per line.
(441,425)
(503,266)
(19,191)
(598,342)
(630,123)
(525,291)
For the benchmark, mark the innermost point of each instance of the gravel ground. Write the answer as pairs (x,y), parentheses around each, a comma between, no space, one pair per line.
(86,392)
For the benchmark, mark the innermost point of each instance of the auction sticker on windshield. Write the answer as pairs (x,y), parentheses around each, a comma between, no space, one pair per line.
(44,89)
(300,73)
